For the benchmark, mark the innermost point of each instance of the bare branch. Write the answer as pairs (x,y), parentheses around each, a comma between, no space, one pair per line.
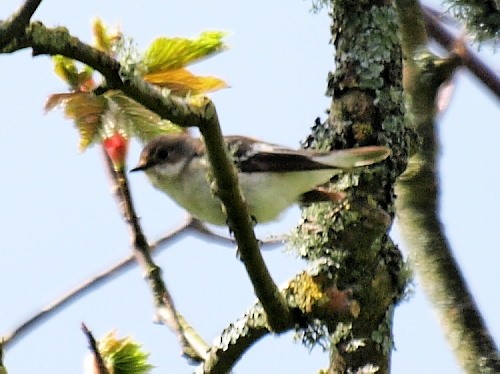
(100,279)
(89,285)
(468,58)
(2,367)
(101,368)
(417,203)
(240,222)
(164,302)
(268,243)
(18,22)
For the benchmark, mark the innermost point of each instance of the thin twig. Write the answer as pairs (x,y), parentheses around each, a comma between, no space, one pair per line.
(271,242)
(164,302)
(89,285)
(103,277)
(477,67)
(1,355)
(100,366)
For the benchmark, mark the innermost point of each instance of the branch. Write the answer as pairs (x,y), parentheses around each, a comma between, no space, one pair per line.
(58,41)
(164,303)
(241,224)
(417,204)
(3,370)
(94,282)
(18,21)
(308,294)
(235,340)
(100,279)
(99,362)
(353,241)
(468,59)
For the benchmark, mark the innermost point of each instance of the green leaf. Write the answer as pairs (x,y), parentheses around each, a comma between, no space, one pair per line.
(85,109)
(173,53)
(66,69)
(139,121)
(102,40)
(123,356)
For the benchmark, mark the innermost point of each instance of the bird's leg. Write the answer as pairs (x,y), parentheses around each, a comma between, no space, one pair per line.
(321,195)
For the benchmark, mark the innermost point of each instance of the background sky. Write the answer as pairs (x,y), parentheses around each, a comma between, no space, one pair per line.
(60,225)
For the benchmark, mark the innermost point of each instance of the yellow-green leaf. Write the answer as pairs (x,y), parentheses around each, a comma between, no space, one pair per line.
(173,53)
(66,69)
(86,110)
(139,121)
(181,82)
(104,40)
(101,38)
(123,356)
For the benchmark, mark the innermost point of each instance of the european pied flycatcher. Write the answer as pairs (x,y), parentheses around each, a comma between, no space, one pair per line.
(271,177)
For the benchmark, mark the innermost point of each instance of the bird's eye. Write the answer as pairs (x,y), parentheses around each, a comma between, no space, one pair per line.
(162,154)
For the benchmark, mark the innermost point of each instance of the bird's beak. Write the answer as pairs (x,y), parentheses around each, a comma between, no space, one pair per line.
(143,165)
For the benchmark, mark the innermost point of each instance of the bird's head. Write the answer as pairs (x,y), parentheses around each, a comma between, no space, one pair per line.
(166,155)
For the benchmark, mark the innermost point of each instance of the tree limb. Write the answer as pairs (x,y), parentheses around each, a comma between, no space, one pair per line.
(164,303)
(100,366)
(18,21)
(417,203)
(240,223)
(190,224)
(359,256)
(468,58)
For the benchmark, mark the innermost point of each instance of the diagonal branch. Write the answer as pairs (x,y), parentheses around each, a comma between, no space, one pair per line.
(81,290)
(417,204)
(468,59)
(17,23)
(100,279)
(164,303)
(278,313)
(100,366)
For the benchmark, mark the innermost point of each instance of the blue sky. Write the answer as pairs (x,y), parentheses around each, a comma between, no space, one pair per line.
(60,224)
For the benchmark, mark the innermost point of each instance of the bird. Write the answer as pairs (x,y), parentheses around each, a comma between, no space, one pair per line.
(271,177)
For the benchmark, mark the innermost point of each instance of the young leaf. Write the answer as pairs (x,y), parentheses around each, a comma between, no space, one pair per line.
(123,355)
(181,82)
(85,109)
(104,40)
(101,38)
(66,69)
(140,121)
(173,53)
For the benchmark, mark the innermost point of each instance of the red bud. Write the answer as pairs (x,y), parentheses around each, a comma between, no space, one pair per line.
(116,147)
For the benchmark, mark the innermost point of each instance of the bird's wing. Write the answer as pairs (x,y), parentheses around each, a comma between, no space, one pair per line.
(252,156)
(354,157)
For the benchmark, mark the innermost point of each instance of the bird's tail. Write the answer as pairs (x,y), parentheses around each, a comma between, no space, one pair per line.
(354,157)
